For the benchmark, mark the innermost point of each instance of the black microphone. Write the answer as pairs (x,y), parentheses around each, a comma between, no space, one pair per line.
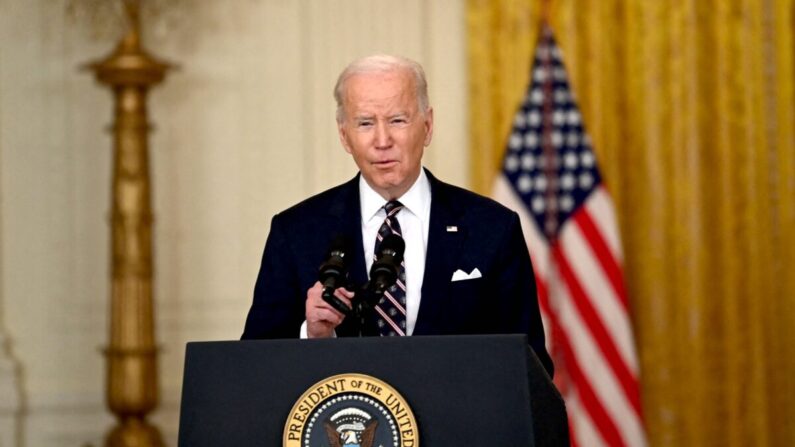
(334,273)
(385,269)
(383,274)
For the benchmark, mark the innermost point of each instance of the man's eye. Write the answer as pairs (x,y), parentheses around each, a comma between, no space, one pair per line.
(399,121)
(365,123)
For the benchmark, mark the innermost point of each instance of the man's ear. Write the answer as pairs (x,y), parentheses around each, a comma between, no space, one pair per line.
(343,134)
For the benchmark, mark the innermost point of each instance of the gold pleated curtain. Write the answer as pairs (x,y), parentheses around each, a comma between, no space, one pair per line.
(691,110)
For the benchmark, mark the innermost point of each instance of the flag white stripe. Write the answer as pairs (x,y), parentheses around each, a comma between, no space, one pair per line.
(600,208)
(549,336)
(595,283)
(539,251)
(585,434)
(604,384)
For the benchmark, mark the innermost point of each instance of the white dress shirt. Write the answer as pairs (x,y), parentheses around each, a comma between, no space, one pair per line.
(414,221)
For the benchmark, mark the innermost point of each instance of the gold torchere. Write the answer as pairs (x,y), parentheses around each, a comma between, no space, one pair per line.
(132,389)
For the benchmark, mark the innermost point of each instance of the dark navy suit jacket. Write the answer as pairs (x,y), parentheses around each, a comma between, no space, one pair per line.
(488,237)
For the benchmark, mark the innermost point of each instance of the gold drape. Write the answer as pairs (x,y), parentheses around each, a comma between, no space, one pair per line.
(691,109)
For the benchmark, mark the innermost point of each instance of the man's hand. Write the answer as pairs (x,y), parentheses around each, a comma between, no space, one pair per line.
(321,318)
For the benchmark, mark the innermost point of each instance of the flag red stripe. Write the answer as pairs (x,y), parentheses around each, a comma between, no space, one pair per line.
(543,297)
(602,252)
(602,338)
(592,406)
(572,436)
(552,331)
(551,328)
(604,423)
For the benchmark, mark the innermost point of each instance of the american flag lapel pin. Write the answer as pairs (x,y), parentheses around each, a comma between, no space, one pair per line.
(452,229)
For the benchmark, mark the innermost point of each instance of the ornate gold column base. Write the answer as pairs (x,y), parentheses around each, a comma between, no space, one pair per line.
(134,432)
(132,381)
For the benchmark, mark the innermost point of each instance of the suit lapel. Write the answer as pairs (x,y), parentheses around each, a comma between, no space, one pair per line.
(446,237)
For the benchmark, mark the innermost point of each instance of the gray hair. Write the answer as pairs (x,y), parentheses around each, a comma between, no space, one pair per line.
(382,63)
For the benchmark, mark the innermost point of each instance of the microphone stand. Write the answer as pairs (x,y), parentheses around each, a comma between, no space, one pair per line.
(363,308)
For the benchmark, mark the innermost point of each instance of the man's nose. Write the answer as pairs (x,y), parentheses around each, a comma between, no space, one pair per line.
(383,139)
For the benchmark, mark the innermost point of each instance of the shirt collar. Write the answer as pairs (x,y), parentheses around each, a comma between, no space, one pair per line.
(416,200)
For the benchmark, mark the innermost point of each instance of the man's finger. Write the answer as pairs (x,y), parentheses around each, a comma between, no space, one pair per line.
(321,315)
(343,292)
(321,304)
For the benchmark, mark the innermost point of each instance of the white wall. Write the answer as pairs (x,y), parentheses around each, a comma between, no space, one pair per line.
(243,129)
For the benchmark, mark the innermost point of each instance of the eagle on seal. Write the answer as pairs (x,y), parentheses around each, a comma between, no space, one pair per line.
(346,436)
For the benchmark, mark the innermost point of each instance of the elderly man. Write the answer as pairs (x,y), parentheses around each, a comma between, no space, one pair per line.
(466,268)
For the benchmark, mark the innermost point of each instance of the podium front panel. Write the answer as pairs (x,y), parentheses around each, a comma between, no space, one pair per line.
(463,390)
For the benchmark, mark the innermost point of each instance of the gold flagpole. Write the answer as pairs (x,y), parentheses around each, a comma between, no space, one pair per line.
(546,12)
(131,357)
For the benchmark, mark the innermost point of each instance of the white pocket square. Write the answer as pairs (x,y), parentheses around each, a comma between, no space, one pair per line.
(460,275)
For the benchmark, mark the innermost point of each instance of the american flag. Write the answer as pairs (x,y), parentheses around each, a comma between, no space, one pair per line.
(550,177)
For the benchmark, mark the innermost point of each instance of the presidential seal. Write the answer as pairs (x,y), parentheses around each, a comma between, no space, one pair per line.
(351,410)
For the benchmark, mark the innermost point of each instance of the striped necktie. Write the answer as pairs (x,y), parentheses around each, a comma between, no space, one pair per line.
(391,308)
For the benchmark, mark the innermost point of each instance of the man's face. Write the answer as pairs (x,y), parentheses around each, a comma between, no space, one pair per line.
(384,130)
